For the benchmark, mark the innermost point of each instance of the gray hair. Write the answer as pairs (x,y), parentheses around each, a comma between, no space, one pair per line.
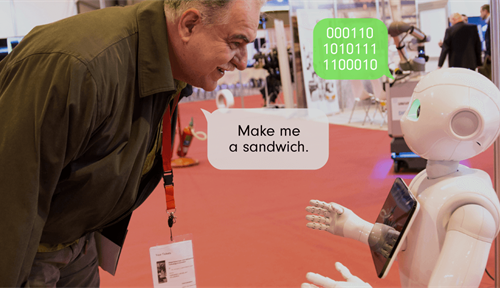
(212,11)
(455,18)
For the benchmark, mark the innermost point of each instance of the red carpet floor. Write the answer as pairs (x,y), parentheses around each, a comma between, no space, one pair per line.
(249,227)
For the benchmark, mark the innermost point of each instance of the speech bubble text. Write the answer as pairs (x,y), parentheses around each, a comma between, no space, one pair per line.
(267,139)
(351,49)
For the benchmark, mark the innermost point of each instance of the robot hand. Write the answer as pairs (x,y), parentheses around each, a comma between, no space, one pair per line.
(337,220)
(382,239)
(332,216)
(318,280)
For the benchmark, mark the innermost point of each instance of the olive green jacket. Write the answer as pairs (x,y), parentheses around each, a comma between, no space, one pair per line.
(80,105)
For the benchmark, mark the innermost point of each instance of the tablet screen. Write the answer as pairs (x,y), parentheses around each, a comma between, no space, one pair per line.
(392,222)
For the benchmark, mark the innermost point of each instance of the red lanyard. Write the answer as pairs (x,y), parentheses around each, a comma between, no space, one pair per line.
(167,155)
(168,176)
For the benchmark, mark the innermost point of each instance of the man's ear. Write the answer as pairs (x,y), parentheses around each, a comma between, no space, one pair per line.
(187,22)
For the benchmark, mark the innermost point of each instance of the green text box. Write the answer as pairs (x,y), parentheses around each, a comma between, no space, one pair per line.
(350,48)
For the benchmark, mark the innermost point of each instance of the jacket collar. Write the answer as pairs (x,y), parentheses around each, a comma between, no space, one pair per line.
(154,69)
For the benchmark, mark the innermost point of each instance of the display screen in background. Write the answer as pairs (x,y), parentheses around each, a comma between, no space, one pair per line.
(3,48)
(7,44)
(12,42)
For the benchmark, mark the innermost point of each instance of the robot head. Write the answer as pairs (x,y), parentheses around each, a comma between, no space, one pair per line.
(454,114)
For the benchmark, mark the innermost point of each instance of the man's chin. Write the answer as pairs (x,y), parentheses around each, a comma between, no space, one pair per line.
(210,86)
(205,83)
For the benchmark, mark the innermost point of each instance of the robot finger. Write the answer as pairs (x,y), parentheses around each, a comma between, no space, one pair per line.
(393,234)
(343,270)
(316,210)
(337,208)
(390,241)
(317,219)
(317,226)
(387,249)
(321,280)
(350,279)
(388,246)
(320,204)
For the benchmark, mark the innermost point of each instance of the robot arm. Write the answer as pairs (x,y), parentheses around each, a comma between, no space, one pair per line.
(462,260)
(398,27)
(338,220)
(395,30)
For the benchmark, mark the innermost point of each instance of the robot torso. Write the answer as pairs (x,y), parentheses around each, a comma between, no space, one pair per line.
(438,199)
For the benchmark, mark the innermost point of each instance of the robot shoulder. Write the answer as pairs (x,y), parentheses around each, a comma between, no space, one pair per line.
(474,221)
(472,192)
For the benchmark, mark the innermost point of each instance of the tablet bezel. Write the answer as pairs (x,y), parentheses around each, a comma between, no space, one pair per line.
(404,231)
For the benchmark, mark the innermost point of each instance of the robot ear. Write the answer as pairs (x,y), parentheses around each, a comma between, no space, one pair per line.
(465,124)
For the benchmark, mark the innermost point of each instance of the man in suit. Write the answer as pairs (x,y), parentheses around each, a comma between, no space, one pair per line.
(462,43)
(485,15)
(486,68)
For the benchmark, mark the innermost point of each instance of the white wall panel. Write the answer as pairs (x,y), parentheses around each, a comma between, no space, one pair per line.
(469,8)
(24,15)
(433,23)
(6,19)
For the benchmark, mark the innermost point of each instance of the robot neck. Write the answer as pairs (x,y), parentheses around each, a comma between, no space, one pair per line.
(436,169)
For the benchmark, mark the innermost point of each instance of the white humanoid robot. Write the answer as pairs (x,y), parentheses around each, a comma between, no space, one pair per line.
(454,115)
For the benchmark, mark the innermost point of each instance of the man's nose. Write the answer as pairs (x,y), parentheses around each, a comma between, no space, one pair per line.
(240,59)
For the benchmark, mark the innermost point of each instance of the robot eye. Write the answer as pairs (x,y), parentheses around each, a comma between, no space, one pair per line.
(414,112)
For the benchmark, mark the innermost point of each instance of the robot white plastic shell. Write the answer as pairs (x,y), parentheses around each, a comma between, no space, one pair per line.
(470,123)
(454,114)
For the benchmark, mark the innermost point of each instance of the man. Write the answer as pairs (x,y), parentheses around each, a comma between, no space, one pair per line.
(486,68)
(462,43)
(485,15)
(81,102)
(465,19)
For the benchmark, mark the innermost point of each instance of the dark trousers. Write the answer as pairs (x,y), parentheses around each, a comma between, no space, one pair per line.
(74,266)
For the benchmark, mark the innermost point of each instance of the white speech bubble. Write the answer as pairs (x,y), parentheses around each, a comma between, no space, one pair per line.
(267,139)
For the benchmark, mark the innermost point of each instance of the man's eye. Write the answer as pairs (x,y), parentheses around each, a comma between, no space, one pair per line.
(235,45)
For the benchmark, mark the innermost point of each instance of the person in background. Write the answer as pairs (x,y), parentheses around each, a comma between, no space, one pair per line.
(486,68)
(465,18)
(81,107)
(485,15)
(462,44)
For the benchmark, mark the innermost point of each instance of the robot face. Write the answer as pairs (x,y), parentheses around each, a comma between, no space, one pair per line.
(454,114)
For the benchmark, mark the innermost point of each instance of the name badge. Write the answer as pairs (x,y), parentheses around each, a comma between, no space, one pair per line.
(172,264)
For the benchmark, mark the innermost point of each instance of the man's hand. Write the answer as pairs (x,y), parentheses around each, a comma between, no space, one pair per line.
(321,281)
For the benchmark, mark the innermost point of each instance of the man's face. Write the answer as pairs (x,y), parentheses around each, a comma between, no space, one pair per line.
(217,48)
(484,14)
